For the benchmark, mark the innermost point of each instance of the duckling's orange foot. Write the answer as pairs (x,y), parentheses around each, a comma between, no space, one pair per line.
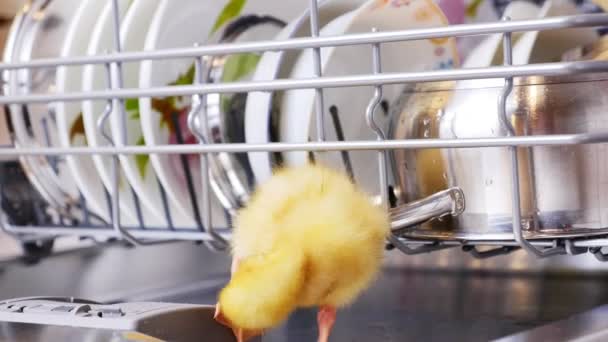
(241,335)
(325,320)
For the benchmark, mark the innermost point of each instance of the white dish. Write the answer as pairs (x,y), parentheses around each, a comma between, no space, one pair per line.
(297,123)
(94,77)
(182,26)
(273,65)
(69,120)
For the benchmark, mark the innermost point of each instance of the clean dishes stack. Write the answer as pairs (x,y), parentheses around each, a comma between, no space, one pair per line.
(160,191)
(165,191)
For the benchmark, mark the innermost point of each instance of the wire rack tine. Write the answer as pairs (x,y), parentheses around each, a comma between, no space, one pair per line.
(371,122)
(352,145)
(219,184)
(380,136)
(218,243)
(516,195)
(540,69)
(585,20)
(119,105)
(316,59)
(101,121)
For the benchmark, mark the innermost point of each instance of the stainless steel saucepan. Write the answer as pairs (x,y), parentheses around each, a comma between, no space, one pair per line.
(564,189)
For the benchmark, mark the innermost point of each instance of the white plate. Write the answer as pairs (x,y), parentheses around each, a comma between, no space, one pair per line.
(69,120)
(94,77)
(297,122)
(275,65)
(182,26)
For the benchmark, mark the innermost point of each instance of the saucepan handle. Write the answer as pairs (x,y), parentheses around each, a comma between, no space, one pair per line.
(446,202)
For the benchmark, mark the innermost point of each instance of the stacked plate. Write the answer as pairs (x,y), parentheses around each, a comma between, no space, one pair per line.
(160,191)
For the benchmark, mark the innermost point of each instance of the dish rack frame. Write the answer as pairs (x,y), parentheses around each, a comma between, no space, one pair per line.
(217,238)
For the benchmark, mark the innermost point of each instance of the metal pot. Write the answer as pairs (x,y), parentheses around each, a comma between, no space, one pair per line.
(564,189)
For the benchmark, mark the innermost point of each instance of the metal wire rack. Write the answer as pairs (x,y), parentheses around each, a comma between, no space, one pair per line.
(217,237)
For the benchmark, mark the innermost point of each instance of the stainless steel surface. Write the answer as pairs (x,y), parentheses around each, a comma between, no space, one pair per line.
(22,332)
(159,321)
(441,296)
(588,326)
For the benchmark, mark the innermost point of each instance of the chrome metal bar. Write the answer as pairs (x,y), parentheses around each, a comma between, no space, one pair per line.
(165,202)
(194,235)
(195,112)
(118,103)
(148,234)
(541,69)
(197,120)
(583,243)
(477,254)
(335,120)
(116,30)
(373,125)
(539,140)
(218,243)
(516,196)
(586,20)
(316,59)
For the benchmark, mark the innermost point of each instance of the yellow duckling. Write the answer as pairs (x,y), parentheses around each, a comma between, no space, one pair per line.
(308,238)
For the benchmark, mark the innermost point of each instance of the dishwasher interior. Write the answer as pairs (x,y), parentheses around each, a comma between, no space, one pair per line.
(137,130)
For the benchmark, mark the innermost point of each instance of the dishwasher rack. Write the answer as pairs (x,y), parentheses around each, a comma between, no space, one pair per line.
(218,237)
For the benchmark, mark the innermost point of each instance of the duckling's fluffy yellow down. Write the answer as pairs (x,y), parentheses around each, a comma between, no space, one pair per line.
(309,237)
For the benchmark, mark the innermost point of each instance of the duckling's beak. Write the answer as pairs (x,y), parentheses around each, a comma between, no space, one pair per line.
(242,335)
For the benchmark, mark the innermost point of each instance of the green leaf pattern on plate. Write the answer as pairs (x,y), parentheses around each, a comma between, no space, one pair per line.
(141,159)
(239,66)
(232,9)
(473,7)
